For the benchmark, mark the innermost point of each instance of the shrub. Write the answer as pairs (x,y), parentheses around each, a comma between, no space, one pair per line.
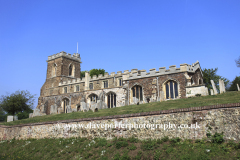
(148,145)
(208,134)
(117,156)
(125,156)
(175,140)
(102,142)
(159,141)
(237,146)
(217,138)
(157,155)
(138,156)
(109,144)
(169,150)
(165,139)
(132,147)
(197,141)
(120,144)
(133,139)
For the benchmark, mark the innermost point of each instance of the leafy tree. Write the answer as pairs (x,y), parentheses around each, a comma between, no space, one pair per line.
(2,114)
(97,72)
(83,73)
(19,101)
(211,74)
(234,83)
(94,72)
(238,62)
(24,114)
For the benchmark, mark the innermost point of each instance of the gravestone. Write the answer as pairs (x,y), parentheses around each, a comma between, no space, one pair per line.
(69,109)
(222,86)
(104,105)
(84,107)
(54,109)
(74,110)
(99,104)
(93,106)
(9,118)
(15,118)
(214,87)
(206,90)
(162,98)
(36,112)
(43,108)
(238,87)
(59,110)
(135,100)
(211,91)
(30,115)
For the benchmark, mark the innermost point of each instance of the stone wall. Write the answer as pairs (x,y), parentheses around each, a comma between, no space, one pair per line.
(217,118)
(150,86)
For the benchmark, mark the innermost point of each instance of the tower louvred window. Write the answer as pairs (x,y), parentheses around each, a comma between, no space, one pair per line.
(70,70)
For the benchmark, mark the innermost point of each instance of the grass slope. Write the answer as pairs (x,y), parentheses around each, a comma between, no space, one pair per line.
(228,97)
(118,149)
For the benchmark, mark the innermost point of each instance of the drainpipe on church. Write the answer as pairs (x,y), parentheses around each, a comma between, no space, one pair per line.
(158,87)
(128,92)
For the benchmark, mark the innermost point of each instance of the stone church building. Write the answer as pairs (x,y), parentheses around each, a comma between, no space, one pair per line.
(65,90)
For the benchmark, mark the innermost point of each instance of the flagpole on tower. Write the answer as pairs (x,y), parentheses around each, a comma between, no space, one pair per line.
(77,47)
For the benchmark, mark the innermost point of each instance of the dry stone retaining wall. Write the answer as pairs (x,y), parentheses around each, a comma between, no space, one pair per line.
(217,118)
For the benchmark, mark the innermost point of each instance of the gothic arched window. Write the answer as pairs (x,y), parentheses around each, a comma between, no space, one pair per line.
(171,89)
(54,70)
(70,70)
(65,103)
(111,100)
(93,97)
(137,92)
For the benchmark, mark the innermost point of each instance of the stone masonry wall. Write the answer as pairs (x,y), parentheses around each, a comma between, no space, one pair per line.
(150,88)
(218,118)
(196,76)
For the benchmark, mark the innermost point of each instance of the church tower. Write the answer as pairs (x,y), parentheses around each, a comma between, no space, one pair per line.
(60,67)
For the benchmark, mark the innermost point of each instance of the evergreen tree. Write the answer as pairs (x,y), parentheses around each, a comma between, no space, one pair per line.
(211,74)
(234,83)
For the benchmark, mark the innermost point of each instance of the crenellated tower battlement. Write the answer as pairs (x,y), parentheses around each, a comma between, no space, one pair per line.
(75,56)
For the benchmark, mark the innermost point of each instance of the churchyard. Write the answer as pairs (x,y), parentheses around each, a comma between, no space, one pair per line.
(224,98)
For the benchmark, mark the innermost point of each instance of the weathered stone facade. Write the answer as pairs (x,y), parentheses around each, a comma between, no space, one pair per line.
(209,119)
(64,86)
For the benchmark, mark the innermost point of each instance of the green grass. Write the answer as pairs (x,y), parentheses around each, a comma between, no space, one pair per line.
(131,148)
(228,97)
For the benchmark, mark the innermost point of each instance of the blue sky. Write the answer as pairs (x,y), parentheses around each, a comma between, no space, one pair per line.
(115,35)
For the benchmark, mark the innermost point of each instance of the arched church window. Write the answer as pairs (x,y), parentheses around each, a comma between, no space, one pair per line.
(171,89)
(54,70)
(78,108)
(70,70)
(93,98)
(65,103)
(111,100)
(137,92)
